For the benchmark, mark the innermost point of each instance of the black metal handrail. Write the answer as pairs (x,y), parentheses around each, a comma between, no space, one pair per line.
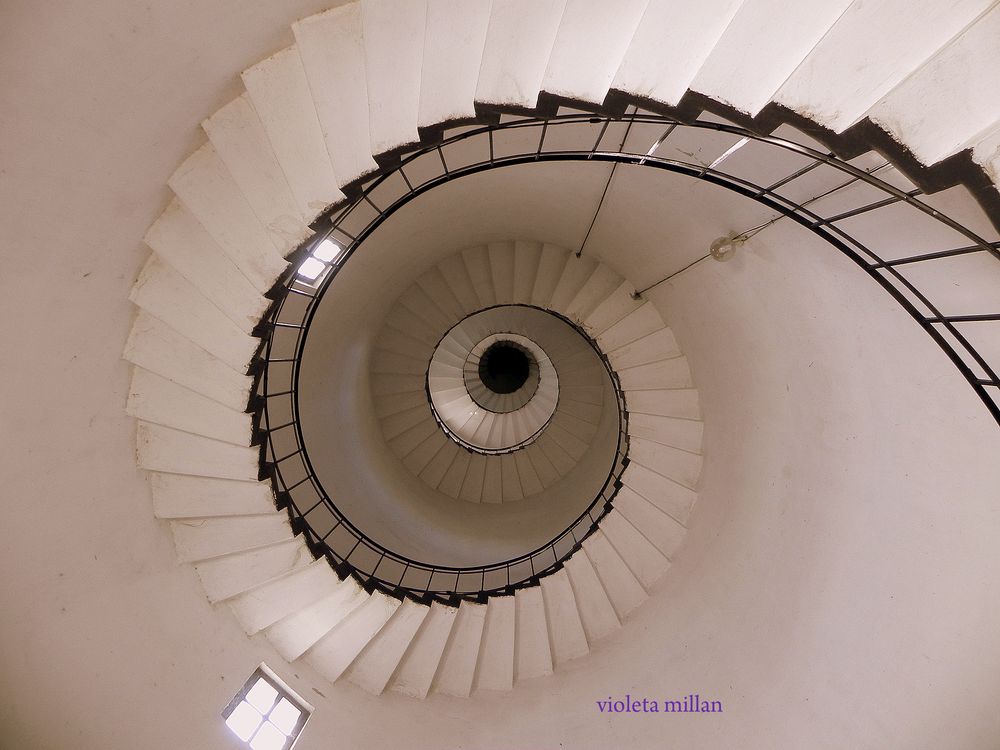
(427,167)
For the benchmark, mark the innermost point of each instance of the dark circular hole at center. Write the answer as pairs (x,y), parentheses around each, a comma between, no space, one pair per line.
(504,367)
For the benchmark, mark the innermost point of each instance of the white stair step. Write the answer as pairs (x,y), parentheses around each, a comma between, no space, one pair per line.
(551,264)
(887,40)
(265,605)
(435,471)
(580,429)
(210,193)
(532,654)
(601,284)
(398,423)
(472,484)
(387,361)
(225,577)
(679,465)
(518,44)
(755,55)
(635,325)
(422,306)
(616,306)
(241,142)
(669,46)
(586,394)
(681,403)
(589,413)
(664,532)
(164,449)
(155,346)
(550,269)
(566,636)
(575,274)
(407,442)
(455,273)
(155,399)
(511,482)
(685,434)
(298,632)
(501,258)
(214,537)
(280,93)
(436,287)
(622,587)
(393,49)
(546,471)
(422,455)
(527,476)
(589,47)
(482,434)
(557,456)
(986,153)
(181,496)
(672,498)
(935,111)
(597,614)
(400,319)
(182,241)
(495,668)
(493,481)
(569,442)
(527,256)
(645,561)
(668,373)
(385,384)
(454,478)
(416,670)
(172,299)
(477,265)
(453,51)
(653,347)
(475,420)
(396,341)
(335,651)
(331,46)
(374,667)
(458,661)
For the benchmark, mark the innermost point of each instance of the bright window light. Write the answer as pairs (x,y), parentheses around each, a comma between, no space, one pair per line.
(311,268)
(269,737)
(328,251)
(266,714)
(244,721)
(262,696)
(285,716)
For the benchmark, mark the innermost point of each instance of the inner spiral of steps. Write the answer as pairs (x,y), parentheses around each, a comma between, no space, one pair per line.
(552,409)
(513,415)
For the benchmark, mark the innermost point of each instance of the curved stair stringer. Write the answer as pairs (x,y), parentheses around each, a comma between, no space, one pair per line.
(284,151)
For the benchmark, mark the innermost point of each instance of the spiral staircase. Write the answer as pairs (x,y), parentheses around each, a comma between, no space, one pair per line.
(377,105)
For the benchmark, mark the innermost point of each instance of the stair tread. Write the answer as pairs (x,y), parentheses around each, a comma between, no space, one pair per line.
(207,189)
(336,650)
(518,43)
(420,662)
(393,33)
(589,46)
(279,91)
(330,45)
(298,632)
(374,666)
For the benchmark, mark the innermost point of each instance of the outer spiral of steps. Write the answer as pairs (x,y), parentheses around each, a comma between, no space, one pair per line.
(312,121)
